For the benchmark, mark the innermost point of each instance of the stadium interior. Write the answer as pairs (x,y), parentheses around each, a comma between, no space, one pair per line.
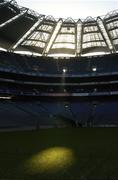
(57,73)
(58,80)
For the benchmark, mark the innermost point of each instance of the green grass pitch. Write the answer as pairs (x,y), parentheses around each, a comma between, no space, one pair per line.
(59,154)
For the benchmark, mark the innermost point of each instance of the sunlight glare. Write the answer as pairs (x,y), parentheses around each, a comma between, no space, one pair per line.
(51,160)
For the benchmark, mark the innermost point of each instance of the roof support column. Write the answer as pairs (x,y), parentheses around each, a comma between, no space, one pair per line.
(105,35)
(79,38)
(76,39)
(53,37)
(25,36)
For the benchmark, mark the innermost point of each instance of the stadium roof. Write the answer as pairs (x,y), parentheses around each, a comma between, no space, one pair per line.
(22,29)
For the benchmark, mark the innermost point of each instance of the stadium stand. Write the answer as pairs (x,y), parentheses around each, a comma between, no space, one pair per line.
(45,90)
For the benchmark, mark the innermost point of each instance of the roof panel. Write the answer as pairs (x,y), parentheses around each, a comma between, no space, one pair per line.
(16,29)
(6,13)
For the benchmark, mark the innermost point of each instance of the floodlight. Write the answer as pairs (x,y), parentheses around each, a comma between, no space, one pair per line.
(64,70)
(94,69)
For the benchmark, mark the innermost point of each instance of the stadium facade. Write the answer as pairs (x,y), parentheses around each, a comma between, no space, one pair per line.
(41,90)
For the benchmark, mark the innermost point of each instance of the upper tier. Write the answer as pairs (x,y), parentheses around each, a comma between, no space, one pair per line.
(63,67)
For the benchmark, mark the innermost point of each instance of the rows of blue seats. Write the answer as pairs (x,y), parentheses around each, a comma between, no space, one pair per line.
(48,65)
(29,114)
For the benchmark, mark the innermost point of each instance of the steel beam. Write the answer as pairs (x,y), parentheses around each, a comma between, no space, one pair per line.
(28,33)
(105,34)
(52,37)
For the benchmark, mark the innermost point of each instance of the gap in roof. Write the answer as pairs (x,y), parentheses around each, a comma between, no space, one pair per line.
(71,8)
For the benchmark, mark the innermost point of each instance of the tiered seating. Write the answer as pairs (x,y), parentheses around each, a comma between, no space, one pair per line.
(106,114)
(49,66)
(19,114)
(57,113)
(13,117)
(36,114)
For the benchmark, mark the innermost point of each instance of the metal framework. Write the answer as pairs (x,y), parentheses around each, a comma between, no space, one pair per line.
(13,19)
(48,36)
(23,39)
(53,36)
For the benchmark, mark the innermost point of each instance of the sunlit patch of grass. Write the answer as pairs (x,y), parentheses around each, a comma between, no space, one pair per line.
(59,154)
(51,160)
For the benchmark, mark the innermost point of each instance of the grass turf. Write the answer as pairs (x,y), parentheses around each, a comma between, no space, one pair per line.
(59,154)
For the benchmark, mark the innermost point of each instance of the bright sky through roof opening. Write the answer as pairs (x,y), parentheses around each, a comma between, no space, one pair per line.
(71,8)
